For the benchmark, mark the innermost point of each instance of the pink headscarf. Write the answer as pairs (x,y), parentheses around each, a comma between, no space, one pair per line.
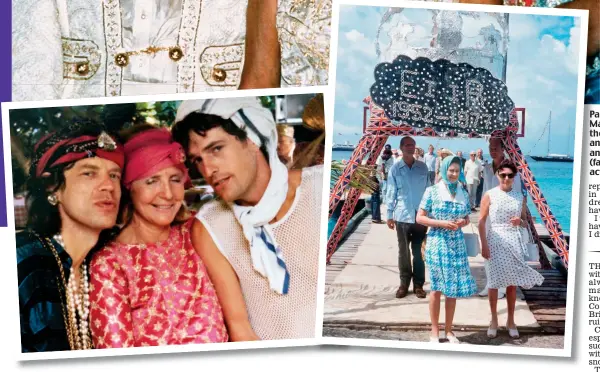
(151,151)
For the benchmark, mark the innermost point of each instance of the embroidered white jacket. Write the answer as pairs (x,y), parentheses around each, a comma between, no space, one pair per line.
(70,48)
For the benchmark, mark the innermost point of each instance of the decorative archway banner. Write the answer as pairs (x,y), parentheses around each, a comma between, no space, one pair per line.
(441,95)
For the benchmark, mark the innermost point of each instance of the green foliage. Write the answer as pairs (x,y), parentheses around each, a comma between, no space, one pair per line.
(28,126)
(361,178)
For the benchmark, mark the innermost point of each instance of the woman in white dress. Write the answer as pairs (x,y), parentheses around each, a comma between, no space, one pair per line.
(503,246)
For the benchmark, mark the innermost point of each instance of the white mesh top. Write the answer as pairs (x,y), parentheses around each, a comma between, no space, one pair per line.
(274,316)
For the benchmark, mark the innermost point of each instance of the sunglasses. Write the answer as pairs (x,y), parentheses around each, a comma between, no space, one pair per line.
(505,175)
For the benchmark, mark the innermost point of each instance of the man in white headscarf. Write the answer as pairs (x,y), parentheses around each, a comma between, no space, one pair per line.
(83,48)
(262,233)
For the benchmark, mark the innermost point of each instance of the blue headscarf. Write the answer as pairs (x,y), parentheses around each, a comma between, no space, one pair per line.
(448,160)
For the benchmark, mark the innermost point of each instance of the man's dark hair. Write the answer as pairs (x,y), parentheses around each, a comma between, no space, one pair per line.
(43,217)
(201,123)
(404,139)
(386,154)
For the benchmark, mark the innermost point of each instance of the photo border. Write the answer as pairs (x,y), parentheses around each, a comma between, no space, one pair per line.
(10,257)
(566,351)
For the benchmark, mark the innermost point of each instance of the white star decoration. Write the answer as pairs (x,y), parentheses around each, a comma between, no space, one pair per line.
(460,97)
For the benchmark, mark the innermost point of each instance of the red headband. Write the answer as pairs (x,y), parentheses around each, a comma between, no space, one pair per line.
(79,148)
(151,151)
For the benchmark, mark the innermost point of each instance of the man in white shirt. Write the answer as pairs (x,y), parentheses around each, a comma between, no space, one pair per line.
(489,182)
(430,161)
(472,171)
(483,163)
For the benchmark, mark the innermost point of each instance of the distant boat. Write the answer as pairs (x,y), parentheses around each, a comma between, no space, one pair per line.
(554,157)
(346,146)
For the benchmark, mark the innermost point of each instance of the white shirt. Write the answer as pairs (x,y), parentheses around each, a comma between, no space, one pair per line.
(387,165)
(429,160)
(472,171)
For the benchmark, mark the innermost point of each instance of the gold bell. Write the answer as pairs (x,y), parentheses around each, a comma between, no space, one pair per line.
(82,68)
(122,59)
(175,53)
(219,74)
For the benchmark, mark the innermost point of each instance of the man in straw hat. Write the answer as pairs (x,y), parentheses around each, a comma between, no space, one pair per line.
(264,227)
(74,193)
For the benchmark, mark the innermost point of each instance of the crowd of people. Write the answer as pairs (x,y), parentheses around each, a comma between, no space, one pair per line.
(111,257)
(429,199)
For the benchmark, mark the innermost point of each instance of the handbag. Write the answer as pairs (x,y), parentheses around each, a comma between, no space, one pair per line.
(530,251)
(473,244)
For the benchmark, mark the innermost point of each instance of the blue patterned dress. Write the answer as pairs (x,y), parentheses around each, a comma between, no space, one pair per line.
(446,250)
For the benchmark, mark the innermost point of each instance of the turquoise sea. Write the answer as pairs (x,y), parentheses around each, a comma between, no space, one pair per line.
(555,180)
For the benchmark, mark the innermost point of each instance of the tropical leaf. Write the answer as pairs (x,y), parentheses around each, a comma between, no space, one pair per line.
(362,178)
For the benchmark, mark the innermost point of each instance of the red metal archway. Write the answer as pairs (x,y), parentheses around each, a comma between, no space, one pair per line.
(376,133)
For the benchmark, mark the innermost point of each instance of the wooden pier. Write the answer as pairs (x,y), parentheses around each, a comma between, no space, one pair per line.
(546,303)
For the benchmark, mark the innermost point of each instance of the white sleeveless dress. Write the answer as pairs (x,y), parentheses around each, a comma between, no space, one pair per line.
(507,265)
(272,315)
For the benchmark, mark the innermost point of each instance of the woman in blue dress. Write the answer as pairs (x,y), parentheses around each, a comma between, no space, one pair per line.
(445,210)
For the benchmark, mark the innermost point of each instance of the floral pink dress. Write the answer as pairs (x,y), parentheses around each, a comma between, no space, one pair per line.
(149,295)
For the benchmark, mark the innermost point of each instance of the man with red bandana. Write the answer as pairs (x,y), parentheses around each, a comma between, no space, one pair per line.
(73,195)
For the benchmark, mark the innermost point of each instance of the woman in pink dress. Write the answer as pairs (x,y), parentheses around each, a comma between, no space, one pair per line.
(149,287)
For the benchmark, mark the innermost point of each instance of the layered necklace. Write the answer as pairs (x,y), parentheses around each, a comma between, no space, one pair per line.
(78,305)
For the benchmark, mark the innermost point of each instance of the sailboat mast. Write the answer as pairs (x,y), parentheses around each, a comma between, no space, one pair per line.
(549,127)
(569,141)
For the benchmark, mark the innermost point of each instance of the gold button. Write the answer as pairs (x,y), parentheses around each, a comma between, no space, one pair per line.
(175,53)
(122,59)
(219,74)
(82,68)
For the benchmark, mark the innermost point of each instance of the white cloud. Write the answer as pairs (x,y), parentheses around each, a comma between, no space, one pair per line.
(360,43)
(522,27)
(551,49)
(353,104)
(358,68)
(355,36)
(548,83)
(341,90)
(573,48)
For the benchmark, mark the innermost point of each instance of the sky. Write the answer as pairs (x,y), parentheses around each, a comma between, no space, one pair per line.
(541,74)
